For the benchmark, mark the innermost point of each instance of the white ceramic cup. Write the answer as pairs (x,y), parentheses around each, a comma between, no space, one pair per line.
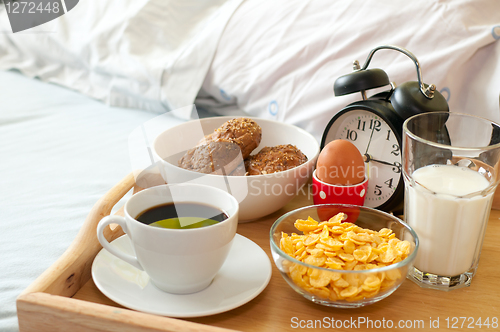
(179,261)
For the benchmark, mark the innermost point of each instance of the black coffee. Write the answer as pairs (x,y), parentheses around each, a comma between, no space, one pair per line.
(182,215)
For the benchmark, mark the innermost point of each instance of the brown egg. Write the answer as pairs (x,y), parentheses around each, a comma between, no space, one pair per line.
(340,163)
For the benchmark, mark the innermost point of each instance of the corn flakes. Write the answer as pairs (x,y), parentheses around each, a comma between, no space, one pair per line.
(341,245)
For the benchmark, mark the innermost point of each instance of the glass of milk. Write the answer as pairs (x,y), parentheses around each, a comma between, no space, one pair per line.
(450,167)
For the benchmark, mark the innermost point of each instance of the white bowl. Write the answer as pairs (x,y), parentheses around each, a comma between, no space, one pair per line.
(258,195)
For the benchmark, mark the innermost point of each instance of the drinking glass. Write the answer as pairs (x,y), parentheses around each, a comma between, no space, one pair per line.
(450,168)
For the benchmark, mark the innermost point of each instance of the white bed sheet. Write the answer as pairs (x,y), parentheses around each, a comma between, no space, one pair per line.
(60,152)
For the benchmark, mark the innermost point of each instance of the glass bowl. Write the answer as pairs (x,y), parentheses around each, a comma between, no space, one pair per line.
(365,276)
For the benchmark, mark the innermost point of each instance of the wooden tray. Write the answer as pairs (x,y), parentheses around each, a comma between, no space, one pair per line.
(65,298)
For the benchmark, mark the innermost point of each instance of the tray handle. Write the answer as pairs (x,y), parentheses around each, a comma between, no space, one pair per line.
(73,269)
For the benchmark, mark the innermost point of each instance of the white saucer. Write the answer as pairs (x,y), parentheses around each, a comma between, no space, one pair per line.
(244,275)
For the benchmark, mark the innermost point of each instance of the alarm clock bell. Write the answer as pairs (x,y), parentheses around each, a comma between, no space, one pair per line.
(410,98)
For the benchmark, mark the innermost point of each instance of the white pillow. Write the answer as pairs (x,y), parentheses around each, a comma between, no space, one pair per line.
(279,59)
(149,54)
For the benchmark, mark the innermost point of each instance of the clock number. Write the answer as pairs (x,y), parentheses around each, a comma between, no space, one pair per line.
(396,150)
(378,190)
(397,167)
(388,135)
(352,135)
(375,124)
(389,183)
(361,125)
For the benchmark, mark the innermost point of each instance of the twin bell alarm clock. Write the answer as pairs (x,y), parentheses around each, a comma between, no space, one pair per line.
(375,124)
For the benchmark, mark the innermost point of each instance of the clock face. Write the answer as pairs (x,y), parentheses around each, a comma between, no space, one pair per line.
(377,142)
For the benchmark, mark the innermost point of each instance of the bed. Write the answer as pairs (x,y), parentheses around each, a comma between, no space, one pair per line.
(74,89)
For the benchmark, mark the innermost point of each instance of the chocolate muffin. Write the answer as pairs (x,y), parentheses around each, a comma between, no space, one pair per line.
(274,159)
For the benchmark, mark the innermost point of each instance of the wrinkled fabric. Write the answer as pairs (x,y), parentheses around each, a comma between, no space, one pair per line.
(279,59)
(147,54)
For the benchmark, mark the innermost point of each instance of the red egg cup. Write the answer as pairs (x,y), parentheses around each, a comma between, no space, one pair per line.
(325,193)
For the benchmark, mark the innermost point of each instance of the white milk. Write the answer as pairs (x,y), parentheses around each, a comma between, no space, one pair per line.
(450,228)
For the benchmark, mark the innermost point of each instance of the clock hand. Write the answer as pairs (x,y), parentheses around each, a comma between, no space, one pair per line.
(395,166)
(368,158)
(369,141)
